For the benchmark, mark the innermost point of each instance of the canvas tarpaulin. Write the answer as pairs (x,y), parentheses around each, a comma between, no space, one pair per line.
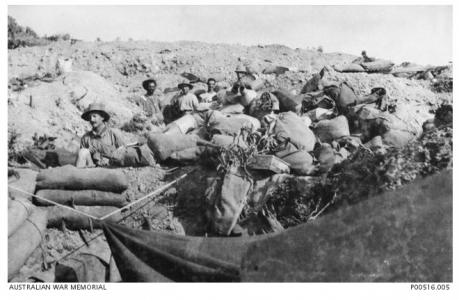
(400,236)
(145,256)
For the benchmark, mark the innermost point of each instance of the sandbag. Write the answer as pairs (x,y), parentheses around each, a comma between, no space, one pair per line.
(226,141)
(278,70)
(25,240)
(163,145)
(316,100)
(320,114)
(255,85)
(288,101)
(227,198)
(378,66)
(374,122)
(300,161)
(133,156)
(26,182)
(85,197)
(290,127)
(313,84)
(189,154)
(230,124)
(375,143)
(72,178)
(19,210)
(264,105)
(341,155)
(397,138)
(186,123)
(228,97)
(232,109)
(351,68)
(50,158)
(329,130)
(247,96)
(346,97)
(59,216)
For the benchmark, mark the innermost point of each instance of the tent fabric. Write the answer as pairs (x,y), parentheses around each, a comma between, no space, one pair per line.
(146,256)
(400,236)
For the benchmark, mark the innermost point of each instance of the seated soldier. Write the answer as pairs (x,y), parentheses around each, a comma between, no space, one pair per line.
(186,101)
(97,146)
(208,96)
(150,103)
(190,111)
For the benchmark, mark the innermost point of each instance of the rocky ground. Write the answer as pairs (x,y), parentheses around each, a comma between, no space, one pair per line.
(44,100)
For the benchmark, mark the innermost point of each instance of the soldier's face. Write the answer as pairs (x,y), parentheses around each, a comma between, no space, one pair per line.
(151,87)
(185,89)
(96,120)
(211,85)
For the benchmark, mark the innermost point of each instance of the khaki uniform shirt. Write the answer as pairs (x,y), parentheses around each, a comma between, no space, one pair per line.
(151,105)
(187,102)
(207,97)
(102,144)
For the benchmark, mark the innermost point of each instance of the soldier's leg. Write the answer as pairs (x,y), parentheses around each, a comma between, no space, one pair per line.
(84,159)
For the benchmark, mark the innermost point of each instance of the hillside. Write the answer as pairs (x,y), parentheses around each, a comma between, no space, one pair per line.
(45,98)
(112,72)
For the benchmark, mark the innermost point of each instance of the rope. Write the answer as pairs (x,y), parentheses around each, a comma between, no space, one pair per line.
(53,202)
(25,206)
(164,187)
(146,196)
(36,227)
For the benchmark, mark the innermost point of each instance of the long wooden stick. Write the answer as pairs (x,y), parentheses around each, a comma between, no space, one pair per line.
(164,187)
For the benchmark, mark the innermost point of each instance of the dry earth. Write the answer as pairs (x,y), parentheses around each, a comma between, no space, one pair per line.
(112,73)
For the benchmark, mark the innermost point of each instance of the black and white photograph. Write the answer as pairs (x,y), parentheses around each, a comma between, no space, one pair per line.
(229,143)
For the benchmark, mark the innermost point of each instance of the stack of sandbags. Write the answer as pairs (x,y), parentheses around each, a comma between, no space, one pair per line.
(288,101)
(173,145)
(230,124)
(95,191)
(350,68)
(330,130)
(378,66)
(299,161)
(278,70)
(26,227)
(396,129)
(290,127)
(24,181)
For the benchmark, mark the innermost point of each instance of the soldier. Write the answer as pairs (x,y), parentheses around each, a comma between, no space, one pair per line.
(151,103)
(99,144)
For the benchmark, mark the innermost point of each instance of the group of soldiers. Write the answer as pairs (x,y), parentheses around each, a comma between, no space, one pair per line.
(99,144)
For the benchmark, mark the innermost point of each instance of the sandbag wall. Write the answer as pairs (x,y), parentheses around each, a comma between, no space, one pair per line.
(26,222)
(93,191)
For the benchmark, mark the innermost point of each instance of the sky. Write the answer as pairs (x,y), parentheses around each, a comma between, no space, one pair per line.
(420,34)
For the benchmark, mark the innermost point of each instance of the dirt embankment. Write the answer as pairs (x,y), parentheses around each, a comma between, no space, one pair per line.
(42,100)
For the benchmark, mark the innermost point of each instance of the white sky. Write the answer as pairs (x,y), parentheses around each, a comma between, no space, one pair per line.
(421,34)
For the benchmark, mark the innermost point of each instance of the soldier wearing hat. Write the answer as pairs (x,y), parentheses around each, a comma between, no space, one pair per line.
(244,75)
(186,101)
(98,145)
